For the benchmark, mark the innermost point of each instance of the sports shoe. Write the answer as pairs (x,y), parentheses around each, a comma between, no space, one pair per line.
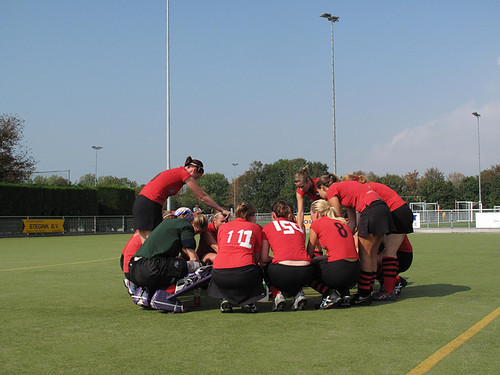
(400,285)
(130,286)
(330,300)
(346,301)
(225,306)
(361,300)
(279,302)
(141,298)
(383,295)
(250,308)
(299,301)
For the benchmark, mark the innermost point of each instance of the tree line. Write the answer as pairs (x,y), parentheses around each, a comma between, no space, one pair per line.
(262,183)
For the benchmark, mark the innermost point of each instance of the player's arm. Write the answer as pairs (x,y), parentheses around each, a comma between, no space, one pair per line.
(300,210)
(211,241)
(312,242)
(204,197)
(191,253)
(351,219)
(264,254)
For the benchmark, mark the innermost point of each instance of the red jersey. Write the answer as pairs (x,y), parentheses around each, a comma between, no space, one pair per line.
(238,241)
(406,245)
(203,246)
(314,195)
(130,249)
(286,239)
(352,194)
(165,184)
(336,238)
(391,198)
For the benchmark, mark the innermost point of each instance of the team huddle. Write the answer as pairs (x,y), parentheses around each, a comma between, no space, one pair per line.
(358,234)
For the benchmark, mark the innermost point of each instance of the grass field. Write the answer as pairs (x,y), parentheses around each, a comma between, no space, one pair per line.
(64,310)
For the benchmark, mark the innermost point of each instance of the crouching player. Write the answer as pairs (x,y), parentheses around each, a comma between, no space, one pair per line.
(157,265)
(340,271)
(291,267)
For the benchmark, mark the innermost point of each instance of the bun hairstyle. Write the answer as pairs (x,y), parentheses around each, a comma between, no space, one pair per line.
(244,211)
(195,163)
(302,175)
(282,209)
(327,180)
(322,207)
(358,178)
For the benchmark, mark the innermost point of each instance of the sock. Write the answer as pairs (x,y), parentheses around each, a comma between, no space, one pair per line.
(170,289)
(364,282)
(372,280)
(274,291)
(320,287)
(390,266)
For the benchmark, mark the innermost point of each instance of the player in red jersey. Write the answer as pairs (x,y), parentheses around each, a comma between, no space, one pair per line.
(236,276)
(374,221)
(207,246)
(306,186)
(290,269)
(131,247)
(402,217)
(148,205)
(339,269)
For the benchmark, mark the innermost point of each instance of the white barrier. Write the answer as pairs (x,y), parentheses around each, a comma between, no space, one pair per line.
(488,220)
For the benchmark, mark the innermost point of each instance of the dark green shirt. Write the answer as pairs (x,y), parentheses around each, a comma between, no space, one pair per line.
(168,239)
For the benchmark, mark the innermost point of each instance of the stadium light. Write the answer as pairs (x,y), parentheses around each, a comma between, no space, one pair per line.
(96,148)
(332,20)
(168,93)
(234,186)
(479,160)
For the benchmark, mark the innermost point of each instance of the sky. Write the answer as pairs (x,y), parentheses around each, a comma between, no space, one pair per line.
(252,81)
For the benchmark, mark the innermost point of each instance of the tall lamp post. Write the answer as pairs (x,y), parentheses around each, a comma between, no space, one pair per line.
(168,93)
(96,148)
(332,20)
(479,160)
(234,185)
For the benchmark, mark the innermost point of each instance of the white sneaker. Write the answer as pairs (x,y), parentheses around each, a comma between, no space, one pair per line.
(279,302)
(299,301)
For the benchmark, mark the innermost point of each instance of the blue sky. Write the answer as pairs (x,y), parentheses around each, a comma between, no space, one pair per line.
(252,81)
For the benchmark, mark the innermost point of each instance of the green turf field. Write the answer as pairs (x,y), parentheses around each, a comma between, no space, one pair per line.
(65,310)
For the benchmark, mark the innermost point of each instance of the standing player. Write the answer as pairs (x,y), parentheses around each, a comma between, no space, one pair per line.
(148,205)
(402,217)
(290,269)
(306,186)
(236,276)
(374,221)
(207,246)
(339,269)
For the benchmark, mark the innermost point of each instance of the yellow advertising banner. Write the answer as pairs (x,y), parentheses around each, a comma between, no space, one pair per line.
(43,225)
(307,221)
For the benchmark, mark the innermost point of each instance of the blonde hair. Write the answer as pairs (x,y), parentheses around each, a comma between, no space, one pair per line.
(200,221)
(327,180)
(302,175)
(322,207)
(358,178)
(245,211)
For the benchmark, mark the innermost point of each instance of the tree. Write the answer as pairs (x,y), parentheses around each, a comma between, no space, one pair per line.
(410,190)
(433,188)
(214,184)
(53,180)
(87,180)
(490,189)
(116,181)
(16,163)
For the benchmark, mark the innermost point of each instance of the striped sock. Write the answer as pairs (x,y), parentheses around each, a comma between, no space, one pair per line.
(390,266)
(364,281)
(318,286)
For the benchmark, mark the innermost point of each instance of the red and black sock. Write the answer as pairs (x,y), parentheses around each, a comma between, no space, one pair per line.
(390,266)
(364,282)
(318,286)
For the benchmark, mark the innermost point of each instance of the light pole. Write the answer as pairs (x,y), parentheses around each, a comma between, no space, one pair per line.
(234,185)
(479,160)
(96,148)
(332,20)
(168,93)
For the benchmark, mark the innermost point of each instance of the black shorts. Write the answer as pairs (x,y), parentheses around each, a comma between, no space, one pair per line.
(404,259)
(240,285)
(340,275)
(375,219)
(147,213)
(156,273)
(403,219)
(289,279)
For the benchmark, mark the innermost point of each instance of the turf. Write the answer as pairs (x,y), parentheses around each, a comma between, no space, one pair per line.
(65,311)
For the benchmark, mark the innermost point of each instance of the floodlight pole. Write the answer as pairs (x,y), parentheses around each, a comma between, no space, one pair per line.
(332,20)
(479,160)
(168,95)
(234,186)
(96,148)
